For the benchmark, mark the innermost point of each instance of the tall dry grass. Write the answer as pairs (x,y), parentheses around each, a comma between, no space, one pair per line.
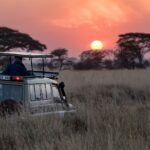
(112,114)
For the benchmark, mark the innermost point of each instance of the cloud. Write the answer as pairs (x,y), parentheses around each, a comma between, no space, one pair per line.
(71,14)
(88,12)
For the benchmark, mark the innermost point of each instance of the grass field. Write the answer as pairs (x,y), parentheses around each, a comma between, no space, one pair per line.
(113,110)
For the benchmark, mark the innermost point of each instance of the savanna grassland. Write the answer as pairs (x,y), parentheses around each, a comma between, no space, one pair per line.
(113,113)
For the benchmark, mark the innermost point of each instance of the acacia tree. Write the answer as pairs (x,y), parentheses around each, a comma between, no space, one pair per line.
(90,59)
(93,55)
(60,53)
(11,39)
(132,46)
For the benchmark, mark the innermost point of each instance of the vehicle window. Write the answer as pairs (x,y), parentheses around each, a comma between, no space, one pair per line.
(9,91)
(43,91)
(48,91)
(32,92)
(40,92)
(56,93)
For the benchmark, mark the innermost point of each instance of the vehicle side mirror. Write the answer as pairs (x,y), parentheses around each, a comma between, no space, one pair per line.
(61,85)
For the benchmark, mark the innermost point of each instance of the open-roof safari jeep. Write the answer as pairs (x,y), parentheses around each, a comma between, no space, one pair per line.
(38,93)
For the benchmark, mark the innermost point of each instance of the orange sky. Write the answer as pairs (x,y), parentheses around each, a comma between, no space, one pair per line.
(73,24)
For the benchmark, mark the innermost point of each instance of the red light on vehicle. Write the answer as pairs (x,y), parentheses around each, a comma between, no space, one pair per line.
(17,78)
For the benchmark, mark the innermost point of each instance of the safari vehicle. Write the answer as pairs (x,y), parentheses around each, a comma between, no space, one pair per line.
(39,93)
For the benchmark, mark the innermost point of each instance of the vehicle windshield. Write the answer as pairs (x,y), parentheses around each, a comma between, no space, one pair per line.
(9,91)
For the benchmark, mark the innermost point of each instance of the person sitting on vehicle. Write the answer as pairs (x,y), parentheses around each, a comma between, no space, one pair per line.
(17,68)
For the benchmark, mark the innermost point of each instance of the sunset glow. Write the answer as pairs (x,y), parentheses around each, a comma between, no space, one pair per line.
(72,24)
(96,45)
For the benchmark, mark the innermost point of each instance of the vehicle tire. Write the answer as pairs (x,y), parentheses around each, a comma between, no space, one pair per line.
(10,107)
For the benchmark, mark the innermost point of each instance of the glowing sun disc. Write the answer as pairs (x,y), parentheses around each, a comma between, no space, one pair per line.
(97,45)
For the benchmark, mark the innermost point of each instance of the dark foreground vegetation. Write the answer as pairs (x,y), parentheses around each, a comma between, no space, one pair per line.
(112,114)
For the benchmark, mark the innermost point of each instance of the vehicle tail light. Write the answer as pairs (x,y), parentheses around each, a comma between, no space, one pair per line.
(17,78)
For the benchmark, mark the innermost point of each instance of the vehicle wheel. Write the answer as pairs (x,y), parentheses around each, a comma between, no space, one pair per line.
(10,107)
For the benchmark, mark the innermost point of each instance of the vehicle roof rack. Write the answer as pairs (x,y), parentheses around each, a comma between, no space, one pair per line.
(50,75)
(30,56)
(26,54)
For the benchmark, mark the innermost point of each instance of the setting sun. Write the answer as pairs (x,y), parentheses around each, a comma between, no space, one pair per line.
(96,45)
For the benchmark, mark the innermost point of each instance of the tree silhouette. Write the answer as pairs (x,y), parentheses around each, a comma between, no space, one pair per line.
(11,39)
(60,53)
(90,59)
(132,47)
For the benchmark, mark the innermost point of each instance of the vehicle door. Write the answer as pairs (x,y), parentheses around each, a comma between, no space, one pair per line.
(40,96)
(11,92)
(57,97)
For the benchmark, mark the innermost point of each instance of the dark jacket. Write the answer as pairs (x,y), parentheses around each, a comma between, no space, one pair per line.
(17,68)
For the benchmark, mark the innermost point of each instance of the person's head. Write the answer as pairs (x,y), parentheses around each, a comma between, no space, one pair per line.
(18,58)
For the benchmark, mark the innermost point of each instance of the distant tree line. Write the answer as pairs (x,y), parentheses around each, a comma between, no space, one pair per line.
(130,53)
